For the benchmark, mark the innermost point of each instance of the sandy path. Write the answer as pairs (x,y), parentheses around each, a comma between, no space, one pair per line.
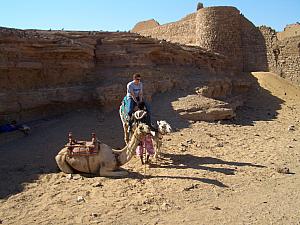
(212,173)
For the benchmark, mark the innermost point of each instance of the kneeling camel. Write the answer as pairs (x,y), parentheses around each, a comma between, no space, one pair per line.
(106,161)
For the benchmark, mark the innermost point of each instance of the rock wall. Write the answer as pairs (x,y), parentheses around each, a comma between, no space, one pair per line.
(283,55)
(31,60)
(43,68)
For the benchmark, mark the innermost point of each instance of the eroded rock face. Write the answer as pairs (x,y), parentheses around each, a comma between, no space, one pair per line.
(39,69)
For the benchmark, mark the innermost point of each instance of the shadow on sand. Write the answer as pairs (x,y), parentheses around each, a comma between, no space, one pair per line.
(25,158)
(188,161)
(260,105)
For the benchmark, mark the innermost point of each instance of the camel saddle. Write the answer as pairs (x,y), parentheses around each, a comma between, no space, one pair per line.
(124,112)
(86,148)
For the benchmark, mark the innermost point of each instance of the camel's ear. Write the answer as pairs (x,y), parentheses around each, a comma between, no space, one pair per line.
(157,123)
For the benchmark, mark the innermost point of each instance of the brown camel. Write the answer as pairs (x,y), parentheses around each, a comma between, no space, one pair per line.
(106,160)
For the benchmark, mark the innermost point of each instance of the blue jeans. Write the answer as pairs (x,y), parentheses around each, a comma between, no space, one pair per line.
(131,104)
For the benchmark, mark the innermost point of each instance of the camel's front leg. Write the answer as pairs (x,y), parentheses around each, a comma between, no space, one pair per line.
(126,133)
(108,173)
(62,163)
(157,150)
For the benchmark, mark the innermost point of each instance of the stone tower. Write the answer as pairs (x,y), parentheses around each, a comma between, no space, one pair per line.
(218,29)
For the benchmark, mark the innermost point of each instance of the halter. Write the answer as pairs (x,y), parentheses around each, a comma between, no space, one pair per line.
(140,114)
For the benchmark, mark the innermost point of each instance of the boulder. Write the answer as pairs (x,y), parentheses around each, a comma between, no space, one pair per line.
(200,108)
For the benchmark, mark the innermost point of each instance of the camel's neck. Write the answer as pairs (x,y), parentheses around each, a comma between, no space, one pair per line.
(127,152)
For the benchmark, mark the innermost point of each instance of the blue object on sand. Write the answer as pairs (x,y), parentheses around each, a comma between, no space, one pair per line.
(8,128)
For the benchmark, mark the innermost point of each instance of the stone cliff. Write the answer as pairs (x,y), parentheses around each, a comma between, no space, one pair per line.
(39,69)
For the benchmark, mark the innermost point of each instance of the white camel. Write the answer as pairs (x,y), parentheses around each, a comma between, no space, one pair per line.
(163,129)
(106,160)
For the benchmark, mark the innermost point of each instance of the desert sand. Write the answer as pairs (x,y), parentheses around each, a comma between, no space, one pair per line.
(240,171)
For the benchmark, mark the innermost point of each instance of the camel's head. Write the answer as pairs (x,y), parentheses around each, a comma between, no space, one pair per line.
(142,130)
(164,127)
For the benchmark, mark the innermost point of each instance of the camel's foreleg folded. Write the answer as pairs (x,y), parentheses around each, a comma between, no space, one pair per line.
(62,163)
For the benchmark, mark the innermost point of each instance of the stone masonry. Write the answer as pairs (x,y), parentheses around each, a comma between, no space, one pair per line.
(283,55)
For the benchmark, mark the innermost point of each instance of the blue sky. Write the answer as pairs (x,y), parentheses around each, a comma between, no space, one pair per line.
(112,15)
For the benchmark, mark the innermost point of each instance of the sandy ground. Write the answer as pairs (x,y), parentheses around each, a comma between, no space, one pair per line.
(212,173)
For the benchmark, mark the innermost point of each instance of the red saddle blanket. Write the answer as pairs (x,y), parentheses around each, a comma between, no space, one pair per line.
(83,150)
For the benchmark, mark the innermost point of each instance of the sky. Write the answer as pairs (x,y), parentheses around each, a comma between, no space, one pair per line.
(122,15)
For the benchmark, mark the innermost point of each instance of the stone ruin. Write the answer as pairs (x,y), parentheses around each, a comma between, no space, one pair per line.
(225,30)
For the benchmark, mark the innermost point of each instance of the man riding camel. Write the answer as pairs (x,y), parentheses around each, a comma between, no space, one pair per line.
(135,97)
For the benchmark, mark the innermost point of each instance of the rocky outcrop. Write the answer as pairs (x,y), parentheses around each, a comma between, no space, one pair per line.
(200,108)
(213,100)
(42,68)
